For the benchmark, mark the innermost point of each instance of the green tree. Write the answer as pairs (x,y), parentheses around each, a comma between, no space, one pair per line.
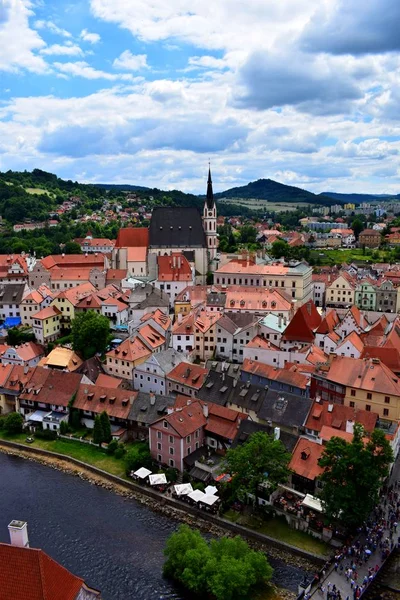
(72,248)
(280,249)
(106,427)
(98,434)
(90,333)
(13,423)
(357,226)
(138,456)
(225,568)
(260,459)
(353,475)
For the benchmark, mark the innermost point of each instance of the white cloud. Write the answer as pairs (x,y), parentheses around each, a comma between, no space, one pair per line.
(18,42)
(52,27)
(60,50)
(207,62)
(83,69)
(131,62)
(92,38)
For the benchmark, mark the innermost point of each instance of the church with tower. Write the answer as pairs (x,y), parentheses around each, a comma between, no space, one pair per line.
(210,220)
(173,229)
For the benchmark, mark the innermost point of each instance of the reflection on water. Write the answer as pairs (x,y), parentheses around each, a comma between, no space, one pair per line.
(114,543)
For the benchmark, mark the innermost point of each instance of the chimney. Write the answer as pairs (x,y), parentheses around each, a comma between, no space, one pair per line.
(277,433)
(349,426)
(280,321)
(234,383)
(152,398)
(18,531)
(205,410)
(179,262)
(179,317)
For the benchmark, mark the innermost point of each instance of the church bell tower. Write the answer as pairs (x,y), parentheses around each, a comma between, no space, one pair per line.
(210,219)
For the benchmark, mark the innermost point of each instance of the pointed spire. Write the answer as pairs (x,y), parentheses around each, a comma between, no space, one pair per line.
(210,194)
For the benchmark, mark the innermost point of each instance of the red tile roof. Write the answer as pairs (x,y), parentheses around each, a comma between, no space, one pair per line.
(188,374)
(305,459)
(130,350)
(73,261)
(47,313)
(329,322)
(289,377)
(187,420)
(299,329)
(366,374)
(388,356)
(175,267)
(95,398)
(50,386)
(132,237)
(108,381)
(337,415)
(30,574)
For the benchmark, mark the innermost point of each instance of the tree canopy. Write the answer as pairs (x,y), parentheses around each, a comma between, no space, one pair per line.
(353,474)
(226,568)
(260,459)
(90,333)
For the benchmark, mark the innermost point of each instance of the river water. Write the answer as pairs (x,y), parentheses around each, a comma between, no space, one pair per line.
(114,543)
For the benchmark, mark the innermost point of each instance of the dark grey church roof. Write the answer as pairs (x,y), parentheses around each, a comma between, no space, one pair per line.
(176,227)
(281,408)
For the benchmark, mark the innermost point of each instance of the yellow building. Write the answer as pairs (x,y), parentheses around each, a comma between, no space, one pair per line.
(349,206)
(46,324)
(67,300)
(340,292)
(365,384)
(204,334)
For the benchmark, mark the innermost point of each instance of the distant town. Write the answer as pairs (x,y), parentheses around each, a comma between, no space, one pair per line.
(189,336)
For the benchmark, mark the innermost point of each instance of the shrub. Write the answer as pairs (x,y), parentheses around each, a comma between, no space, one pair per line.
(46,434)
(112,447)
(13,423)
(2,421)
(64,427)
(120,452)
(172,474)
(138,456)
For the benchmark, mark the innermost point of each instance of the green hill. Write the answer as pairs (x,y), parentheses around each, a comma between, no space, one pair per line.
(267,189)
(358,198)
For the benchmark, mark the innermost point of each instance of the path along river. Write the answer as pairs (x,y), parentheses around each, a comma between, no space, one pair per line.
(113,542)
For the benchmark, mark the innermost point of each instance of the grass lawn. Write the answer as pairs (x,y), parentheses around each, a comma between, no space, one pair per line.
(84,452)
(324,256)
(38,191)
(279,529)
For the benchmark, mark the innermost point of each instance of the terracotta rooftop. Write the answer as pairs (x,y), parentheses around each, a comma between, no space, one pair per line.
(337,416)
(107,381)
(130,350)
(305,457)
(47,313)
(299,329)
(95,398)
(30,574)
(328,323)
(137,254)
(75,294)
(73,261)
(132,237)
(366,374)
(286,376)
(151,337)
(188,374)
(187,420)
(175,267)
(352,338)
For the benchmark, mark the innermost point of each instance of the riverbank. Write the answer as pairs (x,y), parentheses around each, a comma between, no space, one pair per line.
(166,506)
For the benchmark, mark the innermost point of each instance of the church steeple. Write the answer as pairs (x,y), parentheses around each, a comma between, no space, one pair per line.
(210,193)
(210,219)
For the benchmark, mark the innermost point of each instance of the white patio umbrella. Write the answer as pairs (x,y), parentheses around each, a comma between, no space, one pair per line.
(211,490)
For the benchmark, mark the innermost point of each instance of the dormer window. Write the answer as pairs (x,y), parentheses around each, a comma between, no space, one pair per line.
(165,424)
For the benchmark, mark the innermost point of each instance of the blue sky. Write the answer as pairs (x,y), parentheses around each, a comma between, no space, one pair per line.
(304,92)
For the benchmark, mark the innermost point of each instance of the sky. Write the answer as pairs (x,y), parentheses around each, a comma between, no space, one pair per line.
(148,92)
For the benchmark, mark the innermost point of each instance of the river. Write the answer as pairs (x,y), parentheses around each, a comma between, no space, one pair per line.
(114,543)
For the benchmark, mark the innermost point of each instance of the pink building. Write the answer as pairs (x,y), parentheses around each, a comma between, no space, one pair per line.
(178,434)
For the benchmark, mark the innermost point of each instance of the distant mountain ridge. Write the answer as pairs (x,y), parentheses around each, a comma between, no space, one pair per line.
(358,198)
(268,189)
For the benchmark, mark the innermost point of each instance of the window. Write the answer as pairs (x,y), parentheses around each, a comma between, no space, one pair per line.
(159,435)
(189,450)
(368,407)
(196,446)
(171,439)
(159,459)
(387,399)
(165,424)
(171,450)
(352,404)
(171,462)
(188,439)
(158,446)
(385,412)
(369,396)
(353,392)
